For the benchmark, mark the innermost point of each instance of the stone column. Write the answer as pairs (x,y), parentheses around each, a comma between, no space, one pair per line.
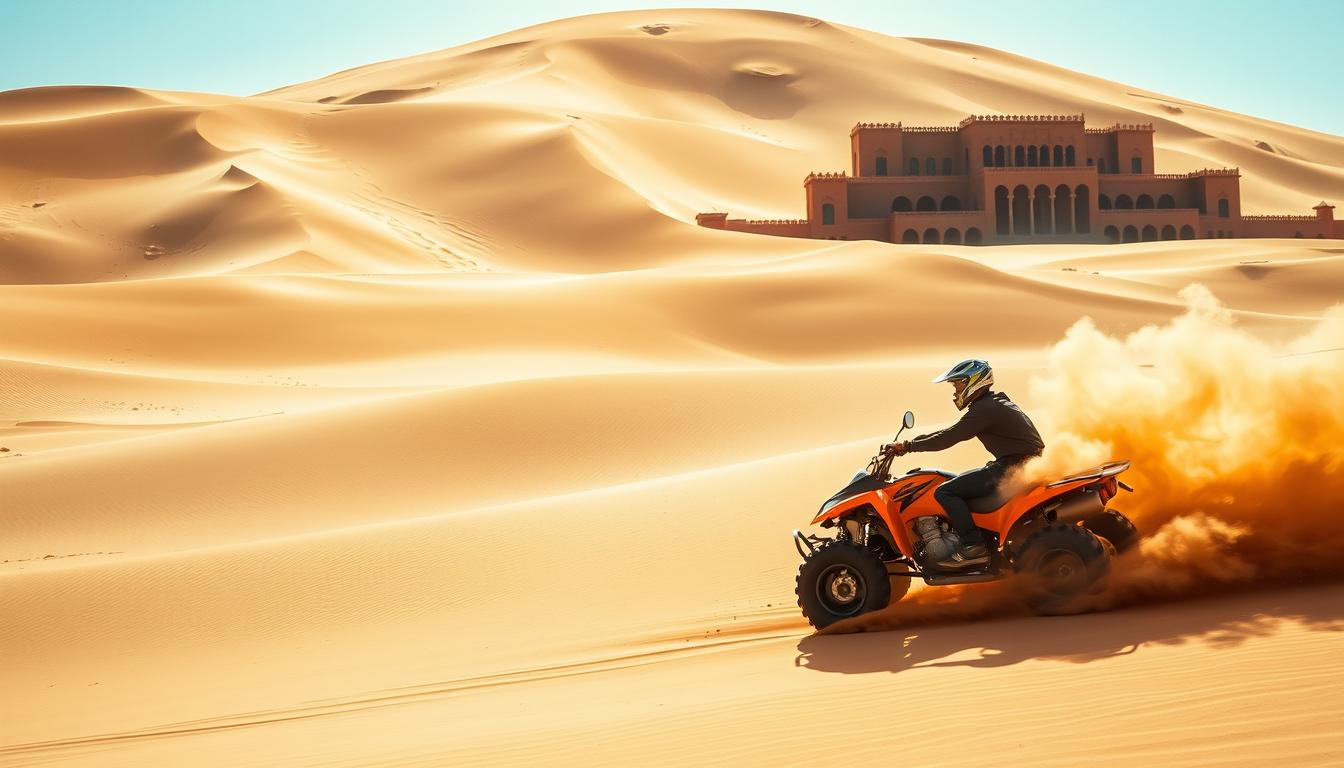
(1054,227)
(1031,212)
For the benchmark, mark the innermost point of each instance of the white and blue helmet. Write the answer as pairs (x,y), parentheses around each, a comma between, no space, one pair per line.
(978,376)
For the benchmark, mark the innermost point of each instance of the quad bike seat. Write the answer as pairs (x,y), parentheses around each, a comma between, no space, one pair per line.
(988,503)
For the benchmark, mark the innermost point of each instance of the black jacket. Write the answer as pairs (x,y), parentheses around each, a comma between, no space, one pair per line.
(997,422)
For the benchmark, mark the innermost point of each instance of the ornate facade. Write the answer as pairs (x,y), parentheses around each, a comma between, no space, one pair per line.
(1021,179)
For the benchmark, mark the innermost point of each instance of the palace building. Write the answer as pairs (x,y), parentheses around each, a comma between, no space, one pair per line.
(1021,179)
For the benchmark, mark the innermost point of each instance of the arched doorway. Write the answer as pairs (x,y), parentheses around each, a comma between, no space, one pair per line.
(1111,234)
(1168,232)
(910,236)
(931,236)
(998,156)
(1149,233)
(1019,156)
(1131,234)
(1166,201)
(1070,157)
(1144,201)
(1063,209)
(1031,156)
(1082,209)
(926,203)
(902,204)
(988,156)
(1059,155)
(1001,210)
(952,236)
(950,203)
(1040,210)
(1123,202)
(973,236)
(1021,210)
(1045,154)
(1104,202)
(1187,232)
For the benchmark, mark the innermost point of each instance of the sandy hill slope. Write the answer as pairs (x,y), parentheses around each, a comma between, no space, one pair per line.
(405,417)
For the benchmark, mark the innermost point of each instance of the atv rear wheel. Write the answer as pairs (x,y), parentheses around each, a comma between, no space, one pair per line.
(840,580)
(1115,528)
(1061,563)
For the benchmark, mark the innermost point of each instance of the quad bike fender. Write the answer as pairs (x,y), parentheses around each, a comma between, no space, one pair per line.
(876,499)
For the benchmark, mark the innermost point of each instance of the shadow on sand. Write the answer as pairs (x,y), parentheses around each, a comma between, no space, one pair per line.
(1221,623)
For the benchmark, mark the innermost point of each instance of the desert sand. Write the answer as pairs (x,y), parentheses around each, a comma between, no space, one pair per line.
(405,417)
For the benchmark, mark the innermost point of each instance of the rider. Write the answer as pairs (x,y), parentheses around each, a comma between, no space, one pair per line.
(1006,432)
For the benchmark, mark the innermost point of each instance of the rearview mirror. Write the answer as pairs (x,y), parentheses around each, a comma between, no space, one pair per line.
(909,420)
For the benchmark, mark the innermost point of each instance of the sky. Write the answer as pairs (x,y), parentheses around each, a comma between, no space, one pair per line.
(1278,60)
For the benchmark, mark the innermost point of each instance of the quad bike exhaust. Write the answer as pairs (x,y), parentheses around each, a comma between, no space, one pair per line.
(1076,508)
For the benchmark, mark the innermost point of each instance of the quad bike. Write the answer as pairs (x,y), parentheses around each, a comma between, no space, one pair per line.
(888,530)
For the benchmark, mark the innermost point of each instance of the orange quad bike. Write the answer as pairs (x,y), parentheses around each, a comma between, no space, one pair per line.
(1059,536)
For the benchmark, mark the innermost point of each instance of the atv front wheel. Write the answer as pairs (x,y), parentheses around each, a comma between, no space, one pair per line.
(1061,563)
(839,580)
(1115,528)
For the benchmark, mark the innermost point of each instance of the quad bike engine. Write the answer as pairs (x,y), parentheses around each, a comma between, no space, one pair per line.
(937,536)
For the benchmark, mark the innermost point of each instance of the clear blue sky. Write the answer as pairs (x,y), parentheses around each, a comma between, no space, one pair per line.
(1279,60)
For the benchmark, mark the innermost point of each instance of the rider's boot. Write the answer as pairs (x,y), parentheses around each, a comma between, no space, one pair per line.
(970,554)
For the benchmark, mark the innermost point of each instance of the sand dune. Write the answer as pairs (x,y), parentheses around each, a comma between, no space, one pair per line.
(406,417)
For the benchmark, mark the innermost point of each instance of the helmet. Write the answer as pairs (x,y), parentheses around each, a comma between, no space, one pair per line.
(978,376)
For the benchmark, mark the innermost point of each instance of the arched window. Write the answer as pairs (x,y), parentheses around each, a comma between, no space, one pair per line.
(926,203)
(1089,162)
(1222,208)
(1144,201)
(1136,164)
(947,166)
(1019,156)
(952,236)
(1082,209)
(1149,233)
(1123,202)
(973,236)
(1168,232)
(881,165)
(914,166)
(1131,234)
(1104,202)
(931,236)
(1031,155)
(902,204)
(950,203)
(1166,201)
(988,159)
(930,167)
(1187,232)
(827,213)
(998,156)
(910,236)
(1044,154)
(1112,234)
(1070,157)
(1059,155)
